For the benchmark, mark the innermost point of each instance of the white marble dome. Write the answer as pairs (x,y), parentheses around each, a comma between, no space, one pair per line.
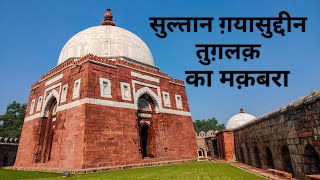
(107,41)
(239,119)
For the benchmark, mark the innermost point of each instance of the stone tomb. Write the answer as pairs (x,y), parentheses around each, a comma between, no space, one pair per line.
(109,110)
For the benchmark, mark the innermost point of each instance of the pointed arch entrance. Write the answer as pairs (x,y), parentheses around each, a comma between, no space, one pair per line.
(269,157)
(249,162)
(241,155)
(146,114)
(312,160)
(286,159)
(47,127)
(257,157)
(52,125)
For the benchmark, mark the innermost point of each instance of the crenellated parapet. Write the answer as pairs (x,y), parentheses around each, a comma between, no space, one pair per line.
(176,81)
(7,140)
(209,134)
(112,61)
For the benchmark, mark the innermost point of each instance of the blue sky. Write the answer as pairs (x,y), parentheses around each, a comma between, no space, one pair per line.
(33,33)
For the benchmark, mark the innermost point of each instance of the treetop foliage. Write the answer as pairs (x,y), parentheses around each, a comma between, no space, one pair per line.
(206,125)
(12,120)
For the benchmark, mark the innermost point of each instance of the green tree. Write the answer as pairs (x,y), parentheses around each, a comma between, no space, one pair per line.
(206,125)
(13,120)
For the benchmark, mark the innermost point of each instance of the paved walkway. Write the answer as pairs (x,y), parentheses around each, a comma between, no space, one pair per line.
(254,170)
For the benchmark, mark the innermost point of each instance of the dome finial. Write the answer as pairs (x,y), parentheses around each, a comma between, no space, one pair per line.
(241,110)
(108,19)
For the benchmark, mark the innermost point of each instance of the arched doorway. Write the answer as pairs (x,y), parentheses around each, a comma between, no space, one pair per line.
(312,160)
(146,117)
(215,148)
(53,118)
(201,153)
(241,155)
(249,157)
(257,157)
(46,133)
(269,157)
(286,159)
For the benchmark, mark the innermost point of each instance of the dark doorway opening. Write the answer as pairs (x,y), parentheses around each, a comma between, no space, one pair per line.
(201,153)
(209,153)
(144,140)
(286,159)
(249,157)
(46,132)
(257,157)
(241,155)
(312,160)
(147,118)
(269,157)
(215,148)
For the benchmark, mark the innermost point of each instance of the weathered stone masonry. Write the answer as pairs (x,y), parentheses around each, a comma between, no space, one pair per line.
(287,139)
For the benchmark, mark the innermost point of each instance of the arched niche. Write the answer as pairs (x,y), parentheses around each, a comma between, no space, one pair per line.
(53,97)
(257,157)
(147,91)
(312,160)
(269,158)
(286,159)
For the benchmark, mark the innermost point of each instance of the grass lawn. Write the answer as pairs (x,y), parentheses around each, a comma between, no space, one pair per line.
(191,170)
(11,174)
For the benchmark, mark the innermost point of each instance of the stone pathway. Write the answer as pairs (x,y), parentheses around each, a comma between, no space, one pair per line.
(258,171)
(254,170)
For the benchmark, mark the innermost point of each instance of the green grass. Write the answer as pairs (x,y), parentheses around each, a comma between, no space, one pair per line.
(11,174)
(191,170)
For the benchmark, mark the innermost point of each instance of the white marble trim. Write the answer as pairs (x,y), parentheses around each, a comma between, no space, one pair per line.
(32,117)
(54,79)
(106,103)
(146,77)
(176,112)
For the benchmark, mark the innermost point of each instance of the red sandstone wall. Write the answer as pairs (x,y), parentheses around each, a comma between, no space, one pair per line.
(111,136)
(180,140)
(68,145)
(229,146)
(68,142)
(26,148)
(94,135)
(225,139)
(27,143)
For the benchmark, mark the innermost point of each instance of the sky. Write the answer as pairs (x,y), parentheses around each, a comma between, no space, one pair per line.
(33,33)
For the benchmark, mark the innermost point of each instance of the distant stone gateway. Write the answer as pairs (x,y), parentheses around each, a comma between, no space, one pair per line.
(8,151)
(105,104)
